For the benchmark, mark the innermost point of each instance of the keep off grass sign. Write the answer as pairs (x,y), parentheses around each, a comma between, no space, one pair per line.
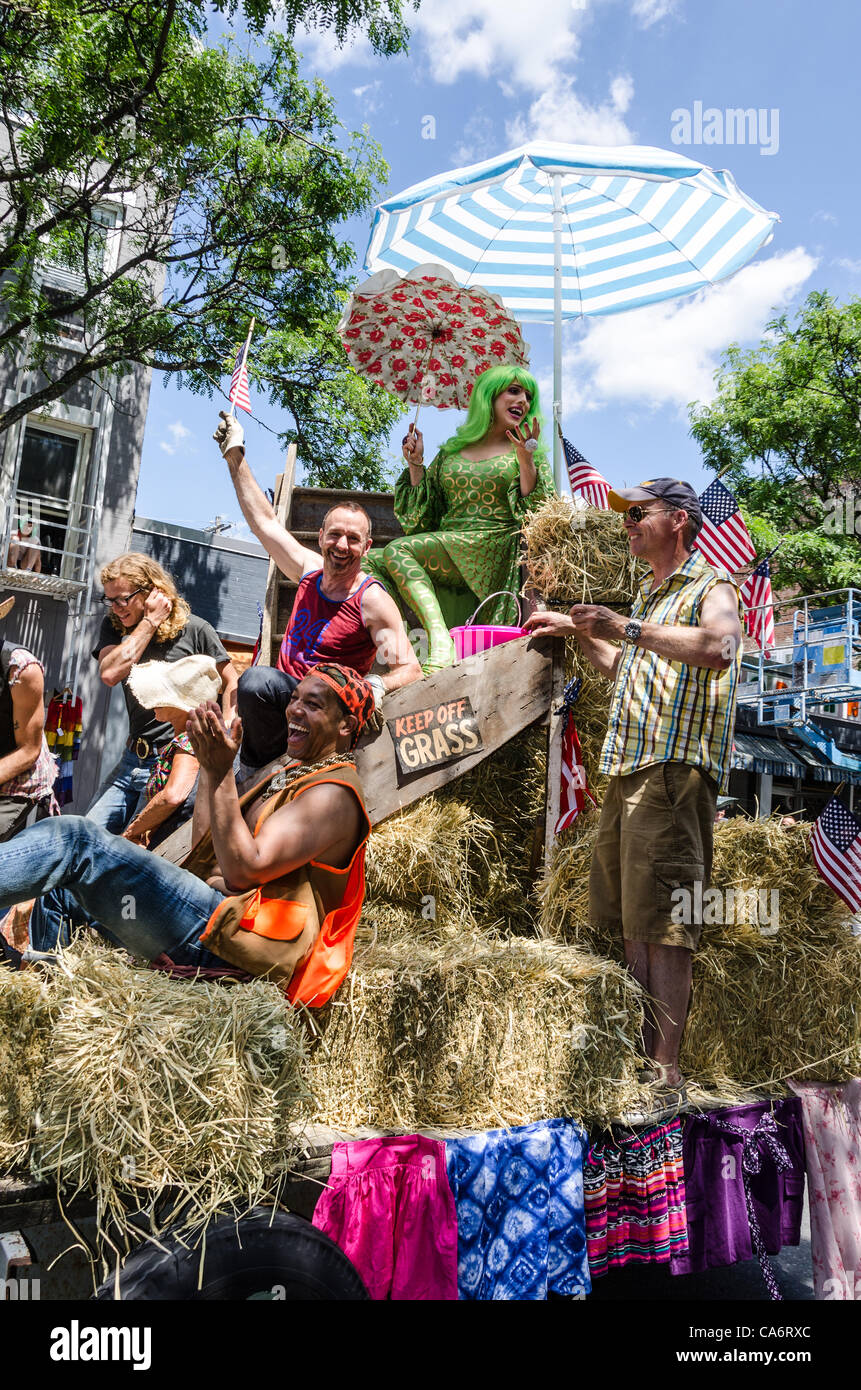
(434,736)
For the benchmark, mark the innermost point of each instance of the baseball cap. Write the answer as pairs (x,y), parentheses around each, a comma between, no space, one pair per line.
(671,490)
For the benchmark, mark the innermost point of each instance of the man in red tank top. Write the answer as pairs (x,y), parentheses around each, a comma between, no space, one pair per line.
(339,613)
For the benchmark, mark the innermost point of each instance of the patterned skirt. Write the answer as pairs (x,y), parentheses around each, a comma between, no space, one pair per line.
(634,1191)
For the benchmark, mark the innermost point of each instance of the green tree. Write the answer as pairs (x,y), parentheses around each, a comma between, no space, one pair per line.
(228,179)
(784,432)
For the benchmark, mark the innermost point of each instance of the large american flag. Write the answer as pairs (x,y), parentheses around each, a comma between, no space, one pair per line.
(759,605)
(584,478)
(724,539)
(238,393)
(835,843)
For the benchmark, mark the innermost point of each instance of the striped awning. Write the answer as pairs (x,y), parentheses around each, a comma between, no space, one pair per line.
(751,753)
(639,225)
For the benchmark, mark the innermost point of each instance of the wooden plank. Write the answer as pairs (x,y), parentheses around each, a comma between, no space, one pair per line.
(509,688)
(283,504)
(554,750)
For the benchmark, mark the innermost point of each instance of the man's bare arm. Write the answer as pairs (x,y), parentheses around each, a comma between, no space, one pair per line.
(322,824)
(604,656)
(292,558)
(116,662)
(28,720)
(386,627)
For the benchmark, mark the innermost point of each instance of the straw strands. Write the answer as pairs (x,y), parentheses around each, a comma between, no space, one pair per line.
(579,556)
(150,1085)
(777,978)
(469,1033)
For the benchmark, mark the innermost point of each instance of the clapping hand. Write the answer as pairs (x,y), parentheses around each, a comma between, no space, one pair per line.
(215,746)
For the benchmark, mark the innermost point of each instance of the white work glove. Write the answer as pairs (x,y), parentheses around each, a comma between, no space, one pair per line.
(376,684)
(230,434)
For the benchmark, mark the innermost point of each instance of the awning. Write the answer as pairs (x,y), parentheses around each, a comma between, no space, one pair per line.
(754,754)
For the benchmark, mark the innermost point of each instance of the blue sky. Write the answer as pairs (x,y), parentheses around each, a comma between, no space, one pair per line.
(495,73)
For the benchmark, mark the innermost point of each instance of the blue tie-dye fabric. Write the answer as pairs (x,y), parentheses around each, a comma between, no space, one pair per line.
(520,1212)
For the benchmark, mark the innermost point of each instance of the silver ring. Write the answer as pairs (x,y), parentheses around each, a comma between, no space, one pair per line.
(531,445)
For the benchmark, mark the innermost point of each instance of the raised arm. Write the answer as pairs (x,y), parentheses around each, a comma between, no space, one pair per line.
(292,558)
(115,662)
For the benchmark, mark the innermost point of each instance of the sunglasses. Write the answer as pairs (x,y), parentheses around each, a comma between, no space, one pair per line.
(637,513)
(122,599)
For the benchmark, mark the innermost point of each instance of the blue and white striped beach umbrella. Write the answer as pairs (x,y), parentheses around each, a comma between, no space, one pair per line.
(559,231)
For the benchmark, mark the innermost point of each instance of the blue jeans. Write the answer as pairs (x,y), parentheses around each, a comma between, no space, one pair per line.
(262,697)
(141,901)
(121,796)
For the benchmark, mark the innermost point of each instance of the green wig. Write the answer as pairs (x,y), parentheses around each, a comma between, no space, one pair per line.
(479,416)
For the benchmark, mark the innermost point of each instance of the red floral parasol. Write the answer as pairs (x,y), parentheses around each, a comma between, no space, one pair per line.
(426,338)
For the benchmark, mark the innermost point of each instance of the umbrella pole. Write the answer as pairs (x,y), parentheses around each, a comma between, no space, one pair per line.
(557,330)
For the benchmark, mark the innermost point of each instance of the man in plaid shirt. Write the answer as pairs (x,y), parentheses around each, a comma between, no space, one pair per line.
(675,666)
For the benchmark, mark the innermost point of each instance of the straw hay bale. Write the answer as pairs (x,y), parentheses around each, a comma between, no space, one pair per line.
(152,1085)
(426,852)
(24,1031)
(579,555)
(475,1034)
(765,1004)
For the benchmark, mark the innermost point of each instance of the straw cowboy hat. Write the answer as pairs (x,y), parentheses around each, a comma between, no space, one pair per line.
(182,684)
(6,607)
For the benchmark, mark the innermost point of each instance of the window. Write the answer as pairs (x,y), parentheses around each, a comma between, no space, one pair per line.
(47,521)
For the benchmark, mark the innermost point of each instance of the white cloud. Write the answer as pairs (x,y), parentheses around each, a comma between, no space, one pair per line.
(822,215)
(647,12)
(500,38)
(560,114)
(846,263)
(478,140)
(321,49)
(178,432)
(369,96)
(666,354)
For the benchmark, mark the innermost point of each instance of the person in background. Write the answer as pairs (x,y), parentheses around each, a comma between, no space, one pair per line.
(171,689)
(27,769)
(147,620)
(675,665)
(340,613)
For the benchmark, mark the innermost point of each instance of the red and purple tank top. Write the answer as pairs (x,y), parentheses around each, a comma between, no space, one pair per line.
(325,629)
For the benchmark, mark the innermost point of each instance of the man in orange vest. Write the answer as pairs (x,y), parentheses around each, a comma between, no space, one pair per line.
(275,881)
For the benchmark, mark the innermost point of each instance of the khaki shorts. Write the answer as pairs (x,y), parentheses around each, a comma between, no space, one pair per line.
(655,836)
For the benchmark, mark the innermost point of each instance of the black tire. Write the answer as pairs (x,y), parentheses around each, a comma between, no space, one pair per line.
(264,1254)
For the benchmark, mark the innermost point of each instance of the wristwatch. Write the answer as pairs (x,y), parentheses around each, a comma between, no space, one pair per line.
(633,630)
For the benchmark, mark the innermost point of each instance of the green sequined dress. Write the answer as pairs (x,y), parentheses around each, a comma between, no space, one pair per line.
(462,543)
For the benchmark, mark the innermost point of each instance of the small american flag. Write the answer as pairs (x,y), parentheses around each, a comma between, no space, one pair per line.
(835,843)
(759,605)
(573,790)
(584,478)
(724,539)
(238,393)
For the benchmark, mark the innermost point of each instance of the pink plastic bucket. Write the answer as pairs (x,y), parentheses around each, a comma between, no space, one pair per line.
(473,638)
